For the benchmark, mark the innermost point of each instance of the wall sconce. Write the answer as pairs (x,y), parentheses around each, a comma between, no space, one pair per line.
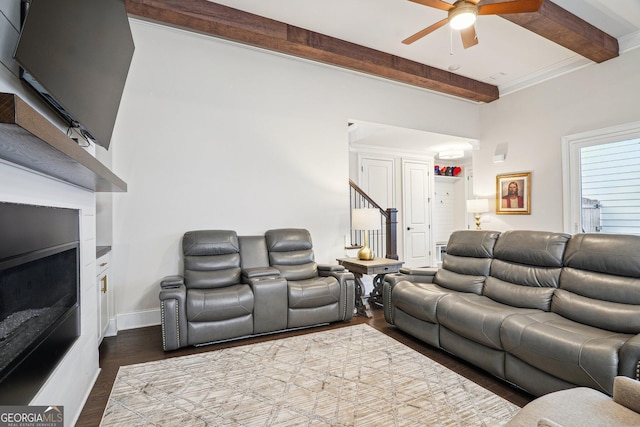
(501,153)
(365,220)
(477,206)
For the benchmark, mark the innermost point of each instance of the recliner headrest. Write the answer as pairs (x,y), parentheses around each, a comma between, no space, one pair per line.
(472,243)
(210,242)
(604,253)
(288,239)
(537,248)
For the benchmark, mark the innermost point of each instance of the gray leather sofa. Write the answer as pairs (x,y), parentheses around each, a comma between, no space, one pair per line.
(239,286)
(544,311)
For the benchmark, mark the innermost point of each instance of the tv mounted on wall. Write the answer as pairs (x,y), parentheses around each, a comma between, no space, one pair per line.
(76,55)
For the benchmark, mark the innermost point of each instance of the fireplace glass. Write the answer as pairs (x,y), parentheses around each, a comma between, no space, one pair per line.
(39,296)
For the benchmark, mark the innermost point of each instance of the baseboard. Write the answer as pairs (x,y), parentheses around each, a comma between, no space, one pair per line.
(139,319)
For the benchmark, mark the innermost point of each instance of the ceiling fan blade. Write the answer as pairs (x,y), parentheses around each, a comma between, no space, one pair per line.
(420,34)
(507,7)
(469,37)
(438,4)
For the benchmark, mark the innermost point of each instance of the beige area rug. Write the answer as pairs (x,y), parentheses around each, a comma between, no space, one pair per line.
(352,376)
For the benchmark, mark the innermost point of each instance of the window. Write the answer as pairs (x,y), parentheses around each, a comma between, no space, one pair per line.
(602,181)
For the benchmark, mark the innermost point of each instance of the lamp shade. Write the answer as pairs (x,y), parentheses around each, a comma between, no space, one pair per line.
(477,205)
(365,219)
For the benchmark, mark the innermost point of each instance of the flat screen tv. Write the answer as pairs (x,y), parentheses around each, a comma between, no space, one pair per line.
(76,54)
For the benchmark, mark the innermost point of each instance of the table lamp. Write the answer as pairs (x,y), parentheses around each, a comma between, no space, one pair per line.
(477,206)
(365,219)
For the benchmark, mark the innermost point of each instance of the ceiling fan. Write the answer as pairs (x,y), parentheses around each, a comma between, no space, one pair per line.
(462,16)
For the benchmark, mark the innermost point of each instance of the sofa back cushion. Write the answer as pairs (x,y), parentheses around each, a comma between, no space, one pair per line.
(600,282)
(526,268)
(291,252)
(253,252)
(211,259)
(468,260)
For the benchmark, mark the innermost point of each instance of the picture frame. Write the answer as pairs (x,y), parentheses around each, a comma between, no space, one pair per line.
(513,194)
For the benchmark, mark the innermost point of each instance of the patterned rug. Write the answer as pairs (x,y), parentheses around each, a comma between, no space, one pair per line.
(352,376)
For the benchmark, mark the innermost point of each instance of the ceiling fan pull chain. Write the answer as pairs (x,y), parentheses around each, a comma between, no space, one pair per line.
(450,41)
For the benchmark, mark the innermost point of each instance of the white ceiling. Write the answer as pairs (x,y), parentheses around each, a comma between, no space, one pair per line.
(507,56)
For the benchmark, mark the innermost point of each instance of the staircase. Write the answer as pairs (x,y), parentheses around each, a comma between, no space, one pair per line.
(384,241)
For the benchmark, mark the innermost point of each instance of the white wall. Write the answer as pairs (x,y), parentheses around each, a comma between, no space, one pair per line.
(534,120)
(213,134)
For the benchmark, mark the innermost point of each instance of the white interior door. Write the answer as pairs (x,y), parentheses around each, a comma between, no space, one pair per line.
(416,213)
(376,180)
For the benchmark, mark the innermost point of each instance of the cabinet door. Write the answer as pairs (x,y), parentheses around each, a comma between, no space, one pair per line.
(103,304)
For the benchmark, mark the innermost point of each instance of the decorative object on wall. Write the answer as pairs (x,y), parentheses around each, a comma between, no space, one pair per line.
(500,153)
(476,207)
(447,170)
(513,193)
(365,220)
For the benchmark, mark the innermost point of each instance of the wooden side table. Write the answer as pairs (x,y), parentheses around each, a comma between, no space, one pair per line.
(377,266)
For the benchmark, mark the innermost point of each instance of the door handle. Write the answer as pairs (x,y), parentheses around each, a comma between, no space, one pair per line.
(409,228)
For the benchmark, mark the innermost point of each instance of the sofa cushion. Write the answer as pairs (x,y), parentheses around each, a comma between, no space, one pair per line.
(601,286)
(315,292)
(538,248)
(418,300)
(460,282)
(210,242)
(472,243)
(574,352)
(579,406)
(518,296)
(476,317)
(624,318)
(614,254)
(206,305)
(202,272)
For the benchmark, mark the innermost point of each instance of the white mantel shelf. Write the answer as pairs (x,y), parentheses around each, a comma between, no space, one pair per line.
(30,140)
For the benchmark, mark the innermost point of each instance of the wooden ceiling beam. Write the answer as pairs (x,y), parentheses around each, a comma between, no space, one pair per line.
(564,28)
(221,21)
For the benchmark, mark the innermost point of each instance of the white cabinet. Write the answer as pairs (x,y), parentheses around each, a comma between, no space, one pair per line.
(102,280)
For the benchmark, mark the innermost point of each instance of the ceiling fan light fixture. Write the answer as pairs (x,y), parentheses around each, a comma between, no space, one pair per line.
(463,15)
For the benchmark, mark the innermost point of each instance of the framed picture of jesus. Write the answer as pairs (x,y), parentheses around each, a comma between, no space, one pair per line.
(513,193)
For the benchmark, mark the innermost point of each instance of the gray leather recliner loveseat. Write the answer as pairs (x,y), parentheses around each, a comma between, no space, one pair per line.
(238,286)
(544,311)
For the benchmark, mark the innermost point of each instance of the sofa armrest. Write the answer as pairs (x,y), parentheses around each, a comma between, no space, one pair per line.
(330,267)
(347,286)
(252,273)
(422,271)
(629,365)
(173,315)
(626,392)
(416,275)
(169,282)
(341,274)
(270,303)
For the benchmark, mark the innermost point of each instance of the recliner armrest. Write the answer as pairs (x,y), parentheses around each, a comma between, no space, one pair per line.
(422,271)
(340,274)
(416,275)
(170,282)
(330,267)
(252,273)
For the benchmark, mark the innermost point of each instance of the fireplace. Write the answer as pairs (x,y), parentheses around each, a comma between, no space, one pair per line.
(39,295)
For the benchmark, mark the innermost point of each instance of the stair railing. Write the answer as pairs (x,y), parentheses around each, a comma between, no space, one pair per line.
(382,241)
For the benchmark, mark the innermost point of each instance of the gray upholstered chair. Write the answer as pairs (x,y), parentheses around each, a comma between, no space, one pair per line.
(316,294)
(209,302)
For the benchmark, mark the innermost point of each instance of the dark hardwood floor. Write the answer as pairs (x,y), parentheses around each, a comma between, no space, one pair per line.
(145,345)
